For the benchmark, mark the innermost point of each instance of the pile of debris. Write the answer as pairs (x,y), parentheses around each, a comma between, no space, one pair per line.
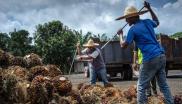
(26,80)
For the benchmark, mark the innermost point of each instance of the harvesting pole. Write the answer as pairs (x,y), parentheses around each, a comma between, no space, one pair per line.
(103,45)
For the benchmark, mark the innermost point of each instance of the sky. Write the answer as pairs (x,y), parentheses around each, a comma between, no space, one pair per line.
(96,16)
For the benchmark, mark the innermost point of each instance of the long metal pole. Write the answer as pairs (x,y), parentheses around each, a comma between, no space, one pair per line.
(72,61)
(102,46)
(116,33)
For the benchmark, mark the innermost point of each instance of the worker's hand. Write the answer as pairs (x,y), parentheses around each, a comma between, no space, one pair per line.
(120,32)
(79,58)
(147,5)
(134,66)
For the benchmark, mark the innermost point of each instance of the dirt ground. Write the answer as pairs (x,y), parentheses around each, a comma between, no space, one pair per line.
(174,80)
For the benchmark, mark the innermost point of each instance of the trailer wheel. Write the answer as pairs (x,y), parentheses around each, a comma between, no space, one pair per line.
(122,75)
(128,72)
(113,74)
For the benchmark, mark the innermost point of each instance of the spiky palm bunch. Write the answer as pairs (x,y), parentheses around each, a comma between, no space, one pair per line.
(37,70)
(8,90)
(130,93)
(84,87)
(90,98)
(53,70)
(18,71)
(40,90)
(33,60)
(113,92)
(62,85)
(98,90)
(22,91)
(18,61)
(4,56)
(75,95)
(155,100)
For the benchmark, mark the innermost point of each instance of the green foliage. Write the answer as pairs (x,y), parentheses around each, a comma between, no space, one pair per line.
(4,40)
(177,35)
(56,43)
(20,43)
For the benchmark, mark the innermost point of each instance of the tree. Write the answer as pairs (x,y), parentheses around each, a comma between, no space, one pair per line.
(4,40)
(56,43)
(177,35)
(20,43)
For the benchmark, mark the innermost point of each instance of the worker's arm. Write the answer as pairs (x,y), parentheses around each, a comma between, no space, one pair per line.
(89,57)
(122,41)
(154,17)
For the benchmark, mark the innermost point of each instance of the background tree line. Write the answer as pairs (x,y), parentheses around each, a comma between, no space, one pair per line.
(53,41)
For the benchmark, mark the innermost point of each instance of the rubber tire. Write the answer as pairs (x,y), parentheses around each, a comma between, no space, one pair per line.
(128,72)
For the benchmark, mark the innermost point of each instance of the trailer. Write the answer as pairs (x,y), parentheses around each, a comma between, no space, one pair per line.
(173,52)
(118,60)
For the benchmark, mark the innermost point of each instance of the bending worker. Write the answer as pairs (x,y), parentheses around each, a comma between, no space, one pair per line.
(95,60)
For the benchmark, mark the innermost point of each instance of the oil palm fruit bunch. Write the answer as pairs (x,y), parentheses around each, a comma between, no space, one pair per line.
(53,70)
(75,95)
(90,98)
(130,93)
(40,90)
(113,92)
(18,71)
(84,88)
(98,90)
(62,85)
(37,70)
(21,91)
(8,90)
(1,82)
(33,60)
(4,56)
(155,100)
(64,100)
(178,99)
(18,61)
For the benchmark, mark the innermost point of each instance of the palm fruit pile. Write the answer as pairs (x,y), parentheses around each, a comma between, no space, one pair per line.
(28,81)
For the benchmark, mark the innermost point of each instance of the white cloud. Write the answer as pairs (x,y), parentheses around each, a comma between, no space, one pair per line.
(96,16)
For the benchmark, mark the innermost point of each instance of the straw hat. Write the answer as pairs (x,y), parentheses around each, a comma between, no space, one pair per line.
(90,43)
(130,12)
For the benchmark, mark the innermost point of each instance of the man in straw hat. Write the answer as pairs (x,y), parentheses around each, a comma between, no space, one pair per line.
(154,60)
(95,60)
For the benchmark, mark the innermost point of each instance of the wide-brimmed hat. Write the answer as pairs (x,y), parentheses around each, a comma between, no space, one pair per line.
(90,43)
(131,11)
